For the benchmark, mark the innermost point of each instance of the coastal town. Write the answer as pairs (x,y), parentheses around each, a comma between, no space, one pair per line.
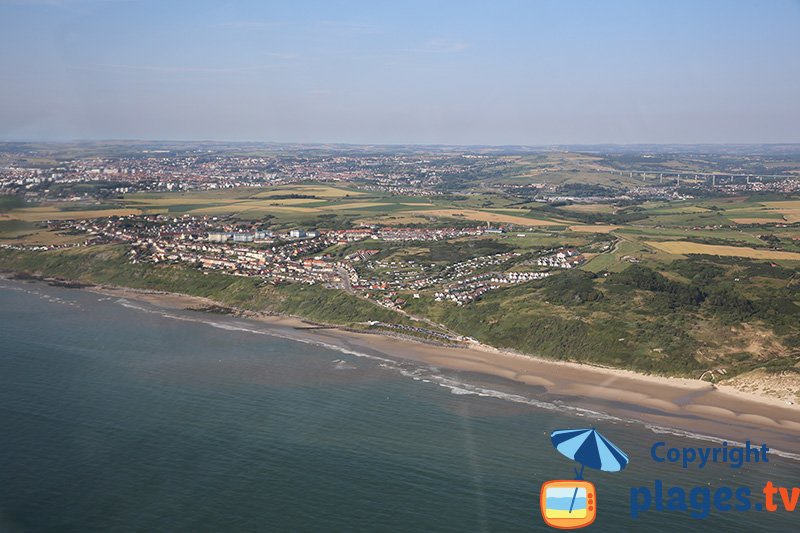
(315,256)
(567,255)
(351,218)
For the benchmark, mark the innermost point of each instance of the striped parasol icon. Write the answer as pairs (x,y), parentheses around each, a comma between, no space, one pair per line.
(589,448)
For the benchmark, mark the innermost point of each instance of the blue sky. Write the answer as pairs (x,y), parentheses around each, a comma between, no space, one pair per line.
(501,72)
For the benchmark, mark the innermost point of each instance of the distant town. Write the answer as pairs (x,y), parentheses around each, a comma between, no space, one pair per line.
(40,174)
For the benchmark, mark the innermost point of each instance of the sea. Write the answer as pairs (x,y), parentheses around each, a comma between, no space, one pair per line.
(118,415)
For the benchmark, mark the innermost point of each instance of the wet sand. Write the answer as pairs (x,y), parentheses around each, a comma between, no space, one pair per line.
(685,405)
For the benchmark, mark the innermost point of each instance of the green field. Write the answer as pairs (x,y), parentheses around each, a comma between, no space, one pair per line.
(311,204)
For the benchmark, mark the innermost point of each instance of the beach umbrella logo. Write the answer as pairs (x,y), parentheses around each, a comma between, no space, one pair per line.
(572,504)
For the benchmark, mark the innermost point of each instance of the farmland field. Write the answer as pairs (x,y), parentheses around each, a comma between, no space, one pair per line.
(590,208)
(598,228)
(756,220)
(790,209)
(354,205)
(484,216)
(38,214)
(321,191)
(684,247)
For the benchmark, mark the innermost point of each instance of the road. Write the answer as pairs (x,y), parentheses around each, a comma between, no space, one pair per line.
(345,275)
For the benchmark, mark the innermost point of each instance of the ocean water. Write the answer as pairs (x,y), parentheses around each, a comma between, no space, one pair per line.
(120,416)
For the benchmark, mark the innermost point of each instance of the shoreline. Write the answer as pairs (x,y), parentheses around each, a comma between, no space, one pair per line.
(682,405)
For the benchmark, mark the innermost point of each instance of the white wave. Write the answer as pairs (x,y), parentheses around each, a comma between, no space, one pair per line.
(462,388)
(247,328)
(428,374)
(42,296)
(130,305)
(341,364)
(460,392)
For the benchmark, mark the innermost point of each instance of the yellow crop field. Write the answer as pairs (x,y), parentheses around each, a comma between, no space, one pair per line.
(174,200)
(684,247)
(507,210)
(597,228)
(389,220)
(38,214)
(789,209)
(674,210)
(266,203)
(353,205)
(311,190)
(46,237)
(292,201)
(243,207)
(746,220)
(327,191)
(783,204)
(483,216)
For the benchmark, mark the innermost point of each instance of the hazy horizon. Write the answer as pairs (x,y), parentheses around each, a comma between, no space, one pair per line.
(545,73)
(559,146)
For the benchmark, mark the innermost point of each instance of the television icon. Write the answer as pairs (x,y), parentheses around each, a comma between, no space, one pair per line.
(568,504)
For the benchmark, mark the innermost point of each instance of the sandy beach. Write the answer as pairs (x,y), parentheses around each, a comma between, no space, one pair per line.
(674,404)
(690,406)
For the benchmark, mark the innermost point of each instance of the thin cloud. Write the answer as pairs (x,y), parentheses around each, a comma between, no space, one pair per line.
(439,46)
(282,55)
(59,3)
(446,45)
(348,27)
(251,24)
(431,47)
(330,25)
(174,69)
